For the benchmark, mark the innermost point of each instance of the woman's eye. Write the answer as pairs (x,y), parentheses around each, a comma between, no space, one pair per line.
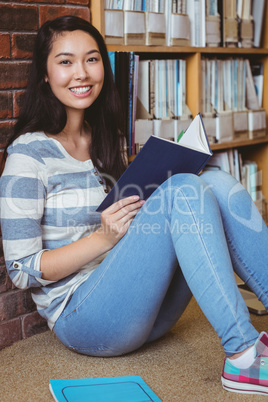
(92,59)
(65,62)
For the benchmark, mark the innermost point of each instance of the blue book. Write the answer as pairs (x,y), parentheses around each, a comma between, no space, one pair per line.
(159,159)
(111,55)
(113,389)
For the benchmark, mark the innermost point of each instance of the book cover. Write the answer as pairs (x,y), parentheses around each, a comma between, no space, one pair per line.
(159,159)
(113,389)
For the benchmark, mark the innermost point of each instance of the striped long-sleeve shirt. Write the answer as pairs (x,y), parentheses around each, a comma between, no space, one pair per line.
(48,200)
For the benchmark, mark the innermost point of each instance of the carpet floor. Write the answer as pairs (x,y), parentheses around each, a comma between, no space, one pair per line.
(185,365)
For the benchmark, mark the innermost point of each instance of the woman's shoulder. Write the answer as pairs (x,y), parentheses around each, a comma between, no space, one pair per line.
(28,138)
(36,145)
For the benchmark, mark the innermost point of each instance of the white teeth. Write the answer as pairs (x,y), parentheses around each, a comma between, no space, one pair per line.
(80,90)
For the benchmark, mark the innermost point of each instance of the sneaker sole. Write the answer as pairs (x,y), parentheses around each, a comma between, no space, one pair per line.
(243,388)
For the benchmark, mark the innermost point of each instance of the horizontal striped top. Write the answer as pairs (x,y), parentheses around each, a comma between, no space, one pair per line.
(48,200)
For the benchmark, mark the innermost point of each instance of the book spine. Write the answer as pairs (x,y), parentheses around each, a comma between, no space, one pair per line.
(135,90)
(130,101)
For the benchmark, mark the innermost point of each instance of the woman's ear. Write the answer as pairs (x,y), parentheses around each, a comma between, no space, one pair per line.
(46,78)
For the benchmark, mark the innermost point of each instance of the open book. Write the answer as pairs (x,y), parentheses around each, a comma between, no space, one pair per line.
(159,159)
(107,389)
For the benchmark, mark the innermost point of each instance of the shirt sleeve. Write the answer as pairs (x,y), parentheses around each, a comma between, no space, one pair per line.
(22,201)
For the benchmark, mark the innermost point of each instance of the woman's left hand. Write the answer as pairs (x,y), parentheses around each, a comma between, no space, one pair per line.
(116,219)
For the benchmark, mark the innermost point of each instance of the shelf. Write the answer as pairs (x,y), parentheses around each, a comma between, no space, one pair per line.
(188,49)
(237,144)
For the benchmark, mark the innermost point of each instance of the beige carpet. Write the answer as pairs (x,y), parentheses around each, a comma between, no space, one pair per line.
(185,365)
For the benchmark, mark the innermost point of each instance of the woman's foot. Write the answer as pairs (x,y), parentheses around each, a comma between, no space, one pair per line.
(251,380)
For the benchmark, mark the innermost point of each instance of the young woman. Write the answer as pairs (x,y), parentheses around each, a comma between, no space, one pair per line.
(108,283)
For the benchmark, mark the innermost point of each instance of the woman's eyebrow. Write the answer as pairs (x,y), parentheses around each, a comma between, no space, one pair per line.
(71,54)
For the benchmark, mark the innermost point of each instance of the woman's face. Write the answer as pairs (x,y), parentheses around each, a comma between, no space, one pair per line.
(75,69)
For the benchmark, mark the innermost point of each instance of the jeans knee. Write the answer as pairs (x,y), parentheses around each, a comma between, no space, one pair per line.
(219,179)
(223,185)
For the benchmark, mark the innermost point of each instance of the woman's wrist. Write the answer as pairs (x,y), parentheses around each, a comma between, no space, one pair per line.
(103,241)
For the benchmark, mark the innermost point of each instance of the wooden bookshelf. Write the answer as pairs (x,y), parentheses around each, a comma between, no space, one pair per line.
(256,150)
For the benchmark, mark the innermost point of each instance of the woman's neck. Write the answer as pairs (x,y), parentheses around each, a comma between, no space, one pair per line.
(75,126)
(75,137)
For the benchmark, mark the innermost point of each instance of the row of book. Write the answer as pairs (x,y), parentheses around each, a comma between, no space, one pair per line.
(161,89)
(155,90)
(231,84)
(198,23)
(245,171)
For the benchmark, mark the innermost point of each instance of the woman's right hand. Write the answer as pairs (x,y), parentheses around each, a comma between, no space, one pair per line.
(116,219)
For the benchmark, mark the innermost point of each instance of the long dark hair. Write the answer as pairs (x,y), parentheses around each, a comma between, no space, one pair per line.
(42,111)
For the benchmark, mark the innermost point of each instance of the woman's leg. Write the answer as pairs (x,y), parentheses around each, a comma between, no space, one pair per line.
(246,232)
(115,311)
(136,294)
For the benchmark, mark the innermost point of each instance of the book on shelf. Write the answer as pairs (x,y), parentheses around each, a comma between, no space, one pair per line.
(196,11)
(134,28)
(178,27)
(245,171)
(230,23)
(114,27)
(252,100)
(229,89)
(258,12)
(257,74)
(106,389)
(134,103)
(159,159)
(213,24)
(245,23)
(125,69)
(161,89)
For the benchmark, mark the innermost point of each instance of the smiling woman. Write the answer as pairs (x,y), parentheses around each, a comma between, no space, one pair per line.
(109,283)
(75,54)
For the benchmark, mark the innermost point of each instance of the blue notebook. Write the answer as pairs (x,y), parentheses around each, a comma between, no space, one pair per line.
(113,389)
(159,159)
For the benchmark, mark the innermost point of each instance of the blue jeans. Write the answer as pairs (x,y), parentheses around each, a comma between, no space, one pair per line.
(188,239)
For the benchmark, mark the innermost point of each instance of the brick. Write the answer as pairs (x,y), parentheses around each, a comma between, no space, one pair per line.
(22,45)
(45,1)
(80,2)
(14,74)
(33,324)
(10,332)
(15,303)
(5,281)
(4,46)
(18,102)
(6,104)
(18,17)
(2,165)
(6,131)
(28,304)
(9,305)
(49,12)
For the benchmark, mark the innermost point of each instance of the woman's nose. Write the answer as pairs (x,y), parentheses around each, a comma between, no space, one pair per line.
(80,72)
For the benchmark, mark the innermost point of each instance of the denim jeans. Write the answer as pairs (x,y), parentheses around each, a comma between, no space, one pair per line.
(187,239)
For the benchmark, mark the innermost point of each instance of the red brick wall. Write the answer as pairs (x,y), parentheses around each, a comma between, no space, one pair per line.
(19,21)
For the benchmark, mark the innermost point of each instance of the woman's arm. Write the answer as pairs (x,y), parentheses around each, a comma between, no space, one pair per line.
(115,221)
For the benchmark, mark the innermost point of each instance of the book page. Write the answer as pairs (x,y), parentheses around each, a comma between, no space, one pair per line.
(194,136)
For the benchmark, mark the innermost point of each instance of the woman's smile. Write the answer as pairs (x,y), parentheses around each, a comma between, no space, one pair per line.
(81,91)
